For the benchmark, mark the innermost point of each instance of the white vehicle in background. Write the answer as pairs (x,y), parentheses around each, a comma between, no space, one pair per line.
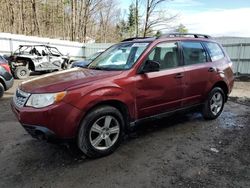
(37,58)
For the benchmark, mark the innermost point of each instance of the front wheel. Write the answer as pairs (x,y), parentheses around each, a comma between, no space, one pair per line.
(214,104)
(100,132)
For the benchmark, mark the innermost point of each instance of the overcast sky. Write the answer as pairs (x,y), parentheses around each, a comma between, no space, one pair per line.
(214,17)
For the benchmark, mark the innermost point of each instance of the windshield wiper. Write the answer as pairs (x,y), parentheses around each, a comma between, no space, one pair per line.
(97,68)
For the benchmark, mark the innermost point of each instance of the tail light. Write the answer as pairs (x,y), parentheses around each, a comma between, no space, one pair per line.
(6,67)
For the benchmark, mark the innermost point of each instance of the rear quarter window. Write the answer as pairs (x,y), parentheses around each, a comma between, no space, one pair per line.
(214,51)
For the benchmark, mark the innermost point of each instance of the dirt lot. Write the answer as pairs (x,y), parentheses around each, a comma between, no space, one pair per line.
(184,151)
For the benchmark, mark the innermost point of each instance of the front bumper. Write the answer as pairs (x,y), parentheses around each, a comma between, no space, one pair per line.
(60,120)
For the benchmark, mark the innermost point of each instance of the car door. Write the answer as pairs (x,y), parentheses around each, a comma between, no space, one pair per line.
(158,92)
(55,61)
(197,68)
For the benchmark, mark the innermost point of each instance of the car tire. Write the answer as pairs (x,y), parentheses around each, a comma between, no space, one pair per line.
(100,132)
(1,90)
(214,104)
(21,72)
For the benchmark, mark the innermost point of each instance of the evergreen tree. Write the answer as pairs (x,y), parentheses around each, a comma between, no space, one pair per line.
(158,33)
(181,29)
(131,20)
(131,16)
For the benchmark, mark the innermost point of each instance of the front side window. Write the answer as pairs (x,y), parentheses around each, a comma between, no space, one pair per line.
(119,57)
(214,51)
(166,54)
(54,51)
(193,53)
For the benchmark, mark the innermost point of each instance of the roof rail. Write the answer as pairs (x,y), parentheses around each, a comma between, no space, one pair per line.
(134,38)
(195,35)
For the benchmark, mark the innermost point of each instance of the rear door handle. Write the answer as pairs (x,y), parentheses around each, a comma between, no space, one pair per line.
(179,75)
(211,69)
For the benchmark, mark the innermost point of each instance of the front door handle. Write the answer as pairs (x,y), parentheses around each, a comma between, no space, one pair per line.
(211,69)
(179,75)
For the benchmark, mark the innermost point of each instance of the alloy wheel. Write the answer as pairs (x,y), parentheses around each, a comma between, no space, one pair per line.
(104,132)
(216,103)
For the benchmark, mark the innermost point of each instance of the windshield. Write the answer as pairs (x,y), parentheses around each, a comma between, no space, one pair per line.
(119,57)
(23,50)
(93,56)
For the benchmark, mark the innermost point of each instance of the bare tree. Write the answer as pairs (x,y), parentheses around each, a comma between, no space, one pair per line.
(10,14)
(34,17)
(89,8)
(21,9)
(74,20)
(108,15)
(151,20)
(80,19)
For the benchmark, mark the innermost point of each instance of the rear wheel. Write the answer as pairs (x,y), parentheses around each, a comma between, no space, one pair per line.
(214,104)
(100,132)
(21,72)
(1,90)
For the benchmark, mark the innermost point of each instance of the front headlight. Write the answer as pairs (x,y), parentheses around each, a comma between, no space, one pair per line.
(45,99)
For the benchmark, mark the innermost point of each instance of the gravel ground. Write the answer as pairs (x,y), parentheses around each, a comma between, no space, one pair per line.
(241,92)
(180,151)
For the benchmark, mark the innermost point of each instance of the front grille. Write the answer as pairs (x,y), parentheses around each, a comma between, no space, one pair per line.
(20,98)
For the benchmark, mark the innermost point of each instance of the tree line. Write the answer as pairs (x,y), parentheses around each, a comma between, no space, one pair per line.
(81,20)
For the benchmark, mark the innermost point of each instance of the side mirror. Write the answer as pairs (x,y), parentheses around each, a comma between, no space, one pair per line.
(150,66)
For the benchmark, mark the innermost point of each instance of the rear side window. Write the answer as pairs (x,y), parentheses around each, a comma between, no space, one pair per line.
(193,53)
(214,51)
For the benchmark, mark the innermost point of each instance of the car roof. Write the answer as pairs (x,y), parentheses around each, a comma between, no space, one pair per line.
(172,36)
(37,45)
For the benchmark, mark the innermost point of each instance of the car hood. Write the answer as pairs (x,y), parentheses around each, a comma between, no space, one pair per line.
(60,81)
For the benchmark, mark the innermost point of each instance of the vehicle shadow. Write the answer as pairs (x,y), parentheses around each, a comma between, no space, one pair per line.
(157,125)
(72,153)
(52,156)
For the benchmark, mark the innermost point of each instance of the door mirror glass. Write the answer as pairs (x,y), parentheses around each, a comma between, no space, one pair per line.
(150,66)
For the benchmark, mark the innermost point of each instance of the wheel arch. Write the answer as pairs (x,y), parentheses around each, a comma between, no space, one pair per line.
(121,106)
(224,87)
(2,82)
(31,64)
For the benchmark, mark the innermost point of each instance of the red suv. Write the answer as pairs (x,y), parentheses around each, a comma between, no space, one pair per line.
(135,80)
